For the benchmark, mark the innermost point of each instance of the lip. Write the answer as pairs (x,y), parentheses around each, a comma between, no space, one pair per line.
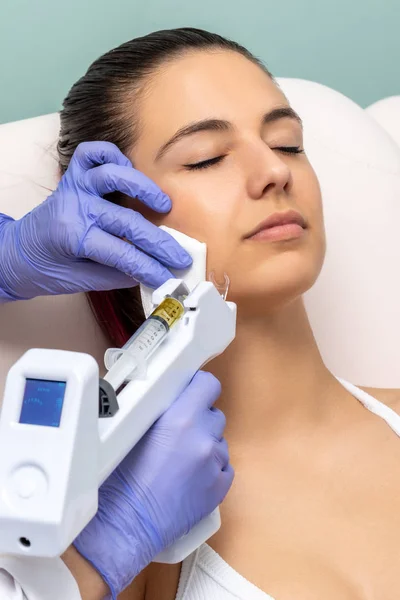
(279,219)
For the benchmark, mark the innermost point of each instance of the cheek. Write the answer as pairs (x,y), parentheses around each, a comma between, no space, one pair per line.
(199,219)
(206,209)
(310,203)
(206,203)
(308,199)
(208,212)
(308,193)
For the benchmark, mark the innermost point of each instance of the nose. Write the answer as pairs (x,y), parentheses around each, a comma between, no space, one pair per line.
(267,172)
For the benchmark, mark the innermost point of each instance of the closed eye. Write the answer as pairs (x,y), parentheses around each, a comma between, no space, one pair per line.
(289,149)
(204,163)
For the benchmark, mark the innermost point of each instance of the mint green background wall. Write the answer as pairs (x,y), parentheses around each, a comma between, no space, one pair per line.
(45,45)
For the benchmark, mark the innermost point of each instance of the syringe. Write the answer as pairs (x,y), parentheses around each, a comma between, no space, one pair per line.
(129,361)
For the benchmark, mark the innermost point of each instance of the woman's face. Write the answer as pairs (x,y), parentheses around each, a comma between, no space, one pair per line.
(213,133)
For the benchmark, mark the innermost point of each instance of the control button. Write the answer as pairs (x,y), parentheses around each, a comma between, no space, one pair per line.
(28,482)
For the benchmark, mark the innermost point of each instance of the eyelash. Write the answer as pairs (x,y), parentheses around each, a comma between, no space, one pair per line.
(204,164)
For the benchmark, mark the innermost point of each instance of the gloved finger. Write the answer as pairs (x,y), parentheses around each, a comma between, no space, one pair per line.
(222,453)
(127,223)
(92,276)
(216,422)
(116,178)
(91,154)
(204,389)
(198,396)
(208,387)
(124,257)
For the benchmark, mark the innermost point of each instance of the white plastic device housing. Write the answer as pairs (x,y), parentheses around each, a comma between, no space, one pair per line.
(63,467)
(49,475)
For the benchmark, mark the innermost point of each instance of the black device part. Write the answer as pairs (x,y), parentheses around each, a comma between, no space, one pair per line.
(108,403)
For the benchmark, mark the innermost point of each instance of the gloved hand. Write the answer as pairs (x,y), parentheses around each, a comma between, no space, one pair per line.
(71,242)
(176,475)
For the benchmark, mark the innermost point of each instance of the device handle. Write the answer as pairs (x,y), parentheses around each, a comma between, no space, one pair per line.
(187,544)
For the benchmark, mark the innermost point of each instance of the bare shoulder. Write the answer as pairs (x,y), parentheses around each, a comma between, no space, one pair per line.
(389,396)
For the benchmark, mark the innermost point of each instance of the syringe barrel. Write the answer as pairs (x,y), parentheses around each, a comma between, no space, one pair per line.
(146,339)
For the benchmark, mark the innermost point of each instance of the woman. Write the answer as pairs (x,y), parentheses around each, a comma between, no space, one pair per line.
(312,513)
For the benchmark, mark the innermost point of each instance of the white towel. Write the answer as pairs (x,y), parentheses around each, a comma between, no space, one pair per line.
(191,276)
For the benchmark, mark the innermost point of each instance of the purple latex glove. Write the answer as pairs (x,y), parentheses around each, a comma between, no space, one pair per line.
(176,475)
(71,242)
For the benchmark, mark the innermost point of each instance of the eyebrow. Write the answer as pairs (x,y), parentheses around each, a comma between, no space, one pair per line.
(219,125)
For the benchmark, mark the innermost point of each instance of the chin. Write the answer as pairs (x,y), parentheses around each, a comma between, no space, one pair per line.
(270,287)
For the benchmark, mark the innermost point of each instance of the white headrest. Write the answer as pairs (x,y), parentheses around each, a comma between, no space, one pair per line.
(354,307)
(28,163)
(387,113)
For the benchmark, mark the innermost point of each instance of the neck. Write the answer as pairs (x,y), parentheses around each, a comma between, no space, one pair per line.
(272,375)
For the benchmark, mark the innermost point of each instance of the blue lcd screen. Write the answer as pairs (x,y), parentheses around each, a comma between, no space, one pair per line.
(42,403)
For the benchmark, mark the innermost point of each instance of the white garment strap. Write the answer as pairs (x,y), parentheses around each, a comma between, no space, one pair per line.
(391,417)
